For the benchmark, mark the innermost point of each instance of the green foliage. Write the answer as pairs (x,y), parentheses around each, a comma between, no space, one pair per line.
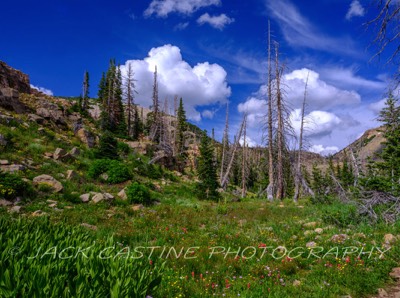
(138,193)
(340,214)
(110,96)
(98,167)
(11,186)
(181,128)
(108,146)
(143,168)
(208,185)
(123,148)
(116,171)
(69,263)
(387,171)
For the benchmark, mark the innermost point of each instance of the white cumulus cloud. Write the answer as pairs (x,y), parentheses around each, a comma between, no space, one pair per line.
(320,149)
(355,10)
(320,95)
(162,8)
(43,90)
(201,85)
(218,22)
(316,123)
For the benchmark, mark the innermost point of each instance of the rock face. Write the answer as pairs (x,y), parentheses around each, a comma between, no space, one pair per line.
(13,82)
(9,100)
(50,181)
(12,78)
(86,137)
(51,111)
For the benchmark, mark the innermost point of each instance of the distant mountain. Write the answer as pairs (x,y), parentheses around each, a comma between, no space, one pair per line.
(368,146)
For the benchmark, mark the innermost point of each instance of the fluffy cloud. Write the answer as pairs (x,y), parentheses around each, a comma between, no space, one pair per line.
(249,142)
(320,95)
(255,109)
(376,107)
(333,116)
(320,149)
(316,123)
(43,90)
(202,85)
(162,8)
(355,10)
(218,22)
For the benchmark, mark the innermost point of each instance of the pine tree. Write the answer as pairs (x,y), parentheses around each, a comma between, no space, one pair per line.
(110,93)
(390,117)
(137,127)
(207,171)
(181,128)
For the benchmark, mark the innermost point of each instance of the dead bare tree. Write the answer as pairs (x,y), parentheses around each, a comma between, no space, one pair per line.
(280,191)
(387,27)
(271,181)
(155,127)
(224,180)
(244,162)
(225,144)
(299,180)
(130,95)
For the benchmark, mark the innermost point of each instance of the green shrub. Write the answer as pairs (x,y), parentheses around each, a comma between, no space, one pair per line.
(123,148)
(98,167)
(11,186)
(116,171)
(138,193)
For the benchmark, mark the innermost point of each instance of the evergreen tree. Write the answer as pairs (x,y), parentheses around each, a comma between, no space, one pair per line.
(137,127)
(207,171)
(346,174)
(110,96)
(108,147)
(181,128)
(389,166)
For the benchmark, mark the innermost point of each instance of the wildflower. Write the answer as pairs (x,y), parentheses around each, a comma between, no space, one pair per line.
(262,245)
(248,285)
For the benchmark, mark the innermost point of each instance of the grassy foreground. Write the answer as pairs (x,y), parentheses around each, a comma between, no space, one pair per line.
(199,249)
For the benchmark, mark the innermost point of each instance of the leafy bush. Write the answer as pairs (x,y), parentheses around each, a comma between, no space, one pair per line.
(11,186)
(98,167)
(116,171)
(123,148)
(138,193)
(74,268)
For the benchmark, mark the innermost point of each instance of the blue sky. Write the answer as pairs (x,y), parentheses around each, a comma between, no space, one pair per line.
(210,52)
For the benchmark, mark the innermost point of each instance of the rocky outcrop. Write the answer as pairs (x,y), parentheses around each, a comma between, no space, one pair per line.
(9,100)
(14,79)
(86,137)
(48,180)
(51,111)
